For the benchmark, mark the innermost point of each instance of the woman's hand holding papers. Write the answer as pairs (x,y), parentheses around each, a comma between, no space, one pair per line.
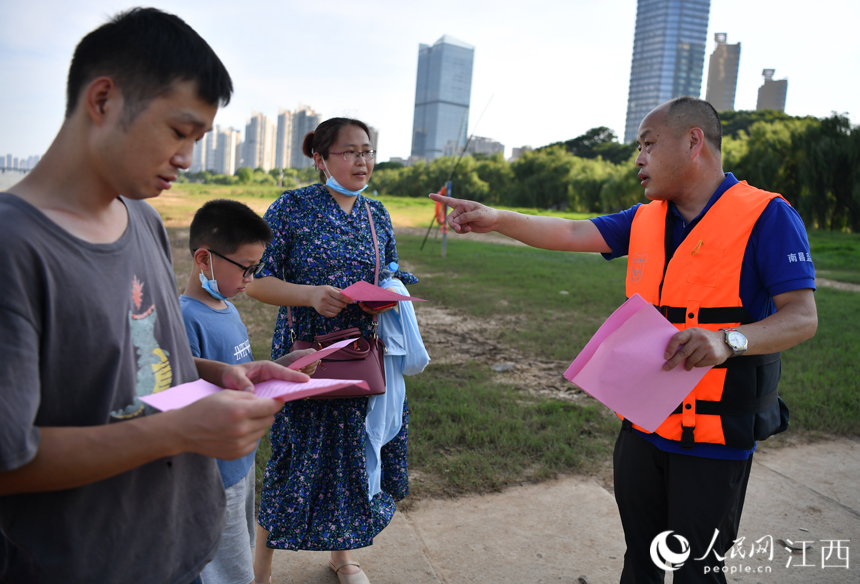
(327,300)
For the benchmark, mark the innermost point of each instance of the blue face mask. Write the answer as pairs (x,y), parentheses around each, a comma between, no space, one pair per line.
(336,186)
(211,286)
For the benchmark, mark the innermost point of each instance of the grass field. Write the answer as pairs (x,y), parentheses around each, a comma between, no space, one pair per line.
(177,206)
(470,433)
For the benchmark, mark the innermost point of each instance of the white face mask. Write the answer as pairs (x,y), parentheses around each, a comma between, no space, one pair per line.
(336,186)
(211,286)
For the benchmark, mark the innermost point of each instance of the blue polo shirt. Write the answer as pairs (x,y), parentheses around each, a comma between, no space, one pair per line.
(776,260)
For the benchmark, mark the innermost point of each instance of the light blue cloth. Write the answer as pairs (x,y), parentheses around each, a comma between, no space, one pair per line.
(405,355)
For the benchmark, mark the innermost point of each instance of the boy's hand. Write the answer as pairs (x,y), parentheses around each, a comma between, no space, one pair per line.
(243,376)
(226,425)
(328,301)
(289,358)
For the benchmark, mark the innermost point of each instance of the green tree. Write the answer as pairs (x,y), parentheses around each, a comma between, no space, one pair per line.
(829,171)
(386,165)
(245,175)
(600,141)
(542,178)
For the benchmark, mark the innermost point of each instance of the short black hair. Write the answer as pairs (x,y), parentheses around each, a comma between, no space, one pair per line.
(145,51)
(224,226)
(688,112)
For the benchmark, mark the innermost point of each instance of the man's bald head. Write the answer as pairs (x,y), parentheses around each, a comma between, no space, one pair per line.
(683,113)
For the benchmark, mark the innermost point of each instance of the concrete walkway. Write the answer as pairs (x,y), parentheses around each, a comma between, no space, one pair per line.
(569,528)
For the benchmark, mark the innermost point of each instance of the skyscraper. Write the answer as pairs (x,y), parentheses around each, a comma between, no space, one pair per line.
(442,95)
(224,155)
(304,120)
(723,74)
(668,55)
(374,138)
(200,153)
(259,145)
(284,140)
(771,95)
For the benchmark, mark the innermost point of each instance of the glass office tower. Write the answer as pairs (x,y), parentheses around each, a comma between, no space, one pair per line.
(442,93)
(668,55)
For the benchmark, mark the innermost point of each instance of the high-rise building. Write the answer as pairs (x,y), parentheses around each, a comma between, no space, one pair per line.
(442,95)
(723,74)
(374,138)
(224,155)
(209,153)
(259,149)
(771,95)
(200,153)
(475,145)
(517,152)
(284,140)
(304,120)
(668,55)
(238,161)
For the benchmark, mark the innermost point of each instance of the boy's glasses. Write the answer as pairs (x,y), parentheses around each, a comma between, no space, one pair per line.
(246,270)
(355,155)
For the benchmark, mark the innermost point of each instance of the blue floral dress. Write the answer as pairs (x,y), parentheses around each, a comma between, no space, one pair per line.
(315,491)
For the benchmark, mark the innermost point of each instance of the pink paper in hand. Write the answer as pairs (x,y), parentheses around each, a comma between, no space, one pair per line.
(308,359)
(180,395)
(363,291)
(290,391)
(188,393)
(622,366)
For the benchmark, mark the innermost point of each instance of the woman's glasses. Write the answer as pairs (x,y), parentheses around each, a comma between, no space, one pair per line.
(355,155)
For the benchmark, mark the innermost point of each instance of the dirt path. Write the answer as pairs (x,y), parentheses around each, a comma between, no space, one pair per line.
(837,285)
(451,337)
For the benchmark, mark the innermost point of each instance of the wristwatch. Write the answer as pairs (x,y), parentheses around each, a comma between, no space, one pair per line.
(736,341)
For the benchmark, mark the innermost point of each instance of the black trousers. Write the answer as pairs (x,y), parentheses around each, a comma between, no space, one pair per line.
(659,491)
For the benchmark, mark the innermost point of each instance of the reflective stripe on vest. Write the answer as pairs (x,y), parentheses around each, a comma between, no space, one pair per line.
(700,287)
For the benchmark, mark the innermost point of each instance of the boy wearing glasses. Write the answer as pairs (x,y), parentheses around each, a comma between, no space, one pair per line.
(227,240)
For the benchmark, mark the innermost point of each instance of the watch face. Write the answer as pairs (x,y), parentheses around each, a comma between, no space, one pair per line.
(736,340)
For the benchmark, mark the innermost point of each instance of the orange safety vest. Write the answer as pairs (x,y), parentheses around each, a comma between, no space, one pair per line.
(736,402)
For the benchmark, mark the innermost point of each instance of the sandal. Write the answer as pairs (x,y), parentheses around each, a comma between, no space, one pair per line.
(358,578)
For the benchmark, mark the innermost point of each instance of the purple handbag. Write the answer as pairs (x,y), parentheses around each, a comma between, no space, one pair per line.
(360,360)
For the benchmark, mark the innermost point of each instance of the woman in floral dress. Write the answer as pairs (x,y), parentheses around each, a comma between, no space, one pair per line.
(315,490)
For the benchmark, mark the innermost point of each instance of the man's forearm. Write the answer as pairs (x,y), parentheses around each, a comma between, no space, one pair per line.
(70,457)
(795,321)
(553,233)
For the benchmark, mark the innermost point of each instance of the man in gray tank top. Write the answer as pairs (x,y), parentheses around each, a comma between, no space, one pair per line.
(95,486)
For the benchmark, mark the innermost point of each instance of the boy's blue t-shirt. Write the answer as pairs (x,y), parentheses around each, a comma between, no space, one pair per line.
(776,261)
(219,335)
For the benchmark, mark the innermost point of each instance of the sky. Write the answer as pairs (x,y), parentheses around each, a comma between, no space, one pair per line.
(544,70)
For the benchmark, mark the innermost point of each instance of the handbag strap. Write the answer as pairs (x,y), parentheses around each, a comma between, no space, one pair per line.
(375,275)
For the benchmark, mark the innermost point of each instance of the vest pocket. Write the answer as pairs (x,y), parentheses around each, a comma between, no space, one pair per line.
(705,266)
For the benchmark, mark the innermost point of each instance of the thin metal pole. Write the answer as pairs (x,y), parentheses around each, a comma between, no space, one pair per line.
(450,186)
